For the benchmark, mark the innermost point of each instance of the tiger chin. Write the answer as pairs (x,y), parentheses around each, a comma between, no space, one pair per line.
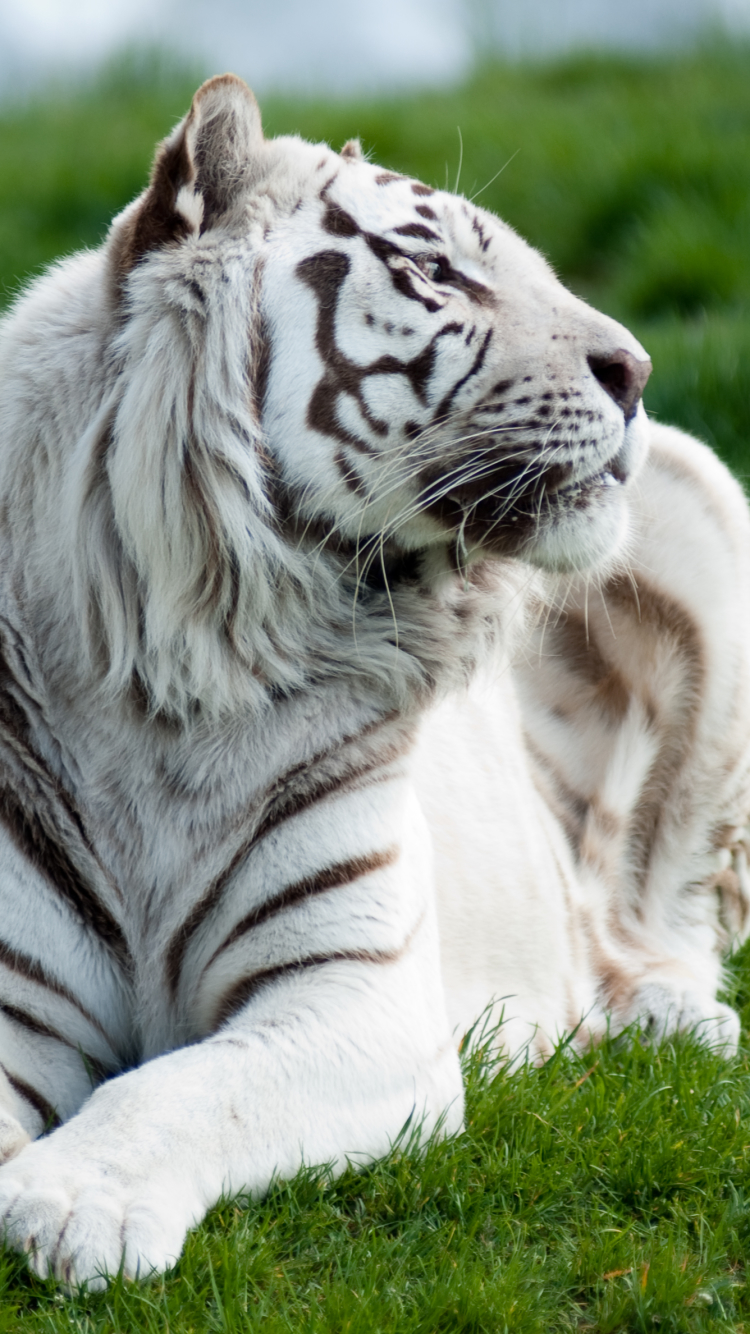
(368,660)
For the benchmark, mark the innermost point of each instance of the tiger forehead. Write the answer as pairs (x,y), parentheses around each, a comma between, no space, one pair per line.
(356,203)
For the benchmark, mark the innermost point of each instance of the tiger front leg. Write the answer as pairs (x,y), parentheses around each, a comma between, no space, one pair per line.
(329,1061)
(13,1136)
(637,703)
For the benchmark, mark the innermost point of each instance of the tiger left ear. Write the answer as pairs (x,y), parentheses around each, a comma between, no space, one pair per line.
(199,171)
(353,151)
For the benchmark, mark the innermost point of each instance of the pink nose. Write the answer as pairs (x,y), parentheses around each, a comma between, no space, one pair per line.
(623,377)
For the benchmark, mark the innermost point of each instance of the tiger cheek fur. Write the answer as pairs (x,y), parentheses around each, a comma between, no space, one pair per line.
(316,737)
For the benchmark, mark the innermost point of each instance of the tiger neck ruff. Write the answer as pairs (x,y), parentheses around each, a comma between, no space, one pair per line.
(368,660)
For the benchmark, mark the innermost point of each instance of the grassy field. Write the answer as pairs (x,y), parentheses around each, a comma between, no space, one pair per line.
(611,1193)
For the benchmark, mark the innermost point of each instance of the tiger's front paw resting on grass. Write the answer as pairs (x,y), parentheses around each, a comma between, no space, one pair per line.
(82,1222)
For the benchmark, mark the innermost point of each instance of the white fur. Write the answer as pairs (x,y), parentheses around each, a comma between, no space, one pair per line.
(268,746)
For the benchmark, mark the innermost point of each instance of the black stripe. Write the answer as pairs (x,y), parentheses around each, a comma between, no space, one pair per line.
(45,849)
(33,971)
(418,231)
(240,992)
(34,1025)
(34,826)
(333,877)
(30,1095)
(476,366)
(285,799)
(282,811)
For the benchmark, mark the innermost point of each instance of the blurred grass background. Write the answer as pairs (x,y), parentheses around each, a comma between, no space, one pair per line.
(633,177)
(609,1193)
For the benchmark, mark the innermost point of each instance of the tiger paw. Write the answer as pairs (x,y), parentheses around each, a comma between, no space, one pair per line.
(83,1223)
(663,1008)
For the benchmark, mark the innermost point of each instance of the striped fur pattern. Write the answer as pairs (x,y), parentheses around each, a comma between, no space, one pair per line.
(357,671)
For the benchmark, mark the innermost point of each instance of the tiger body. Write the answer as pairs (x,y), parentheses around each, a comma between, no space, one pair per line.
(316,736)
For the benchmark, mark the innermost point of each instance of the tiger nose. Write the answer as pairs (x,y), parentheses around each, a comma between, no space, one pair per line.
(624,378)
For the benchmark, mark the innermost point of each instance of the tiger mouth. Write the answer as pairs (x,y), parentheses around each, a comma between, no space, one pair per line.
(494,519)
(614,474)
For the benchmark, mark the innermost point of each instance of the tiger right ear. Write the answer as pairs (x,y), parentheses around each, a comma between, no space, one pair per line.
(204,165)
(353,151)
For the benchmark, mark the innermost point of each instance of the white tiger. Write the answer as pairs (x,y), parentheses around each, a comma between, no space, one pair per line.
(301,475)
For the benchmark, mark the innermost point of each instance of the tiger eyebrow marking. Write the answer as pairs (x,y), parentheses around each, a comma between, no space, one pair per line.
(331,877)
(417,230)
(337,222)
(386,250)
(478,227)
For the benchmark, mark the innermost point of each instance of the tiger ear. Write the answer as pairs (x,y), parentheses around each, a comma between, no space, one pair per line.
(352,150)
(205,164)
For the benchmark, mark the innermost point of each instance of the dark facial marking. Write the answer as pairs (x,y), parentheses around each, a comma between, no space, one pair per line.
(401,275)
(417,230)
(419,189)
(477,227)
(480,505)
(475,367)
(325,273)
(425,211)
(455,278)
(324,189)
(337,222)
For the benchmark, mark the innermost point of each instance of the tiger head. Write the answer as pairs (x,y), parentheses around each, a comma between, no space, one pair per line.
(365,363)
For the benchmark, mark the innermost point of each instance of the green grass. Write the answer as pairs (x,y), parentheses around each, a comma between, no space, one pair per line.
(606,1193)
